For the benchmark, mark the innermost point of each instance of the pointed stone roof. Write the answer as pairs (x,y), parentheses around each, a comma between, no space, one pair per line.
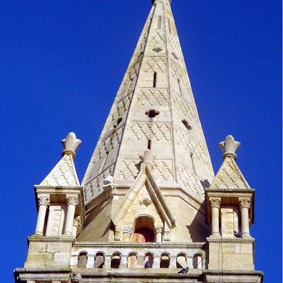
(155,109)
(64,173)
(229,176)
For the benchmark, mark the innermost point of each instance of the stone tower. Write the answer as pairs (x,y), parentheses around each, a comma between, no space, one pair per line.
(149,203)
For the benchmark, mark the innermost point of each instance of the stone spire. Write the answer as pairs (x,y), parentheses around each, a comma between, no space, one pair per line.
(154,110)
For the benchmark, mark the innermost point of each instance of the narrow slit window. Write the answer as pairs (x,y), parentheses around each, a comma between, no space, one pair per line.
(154,79)
(169,26)
(149,144)
(193,162)
(159,22)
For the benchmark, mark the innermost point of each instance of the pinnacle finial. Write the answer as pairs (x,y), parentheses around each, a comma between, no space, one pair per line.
(71,143)
(229,147)
(147,157)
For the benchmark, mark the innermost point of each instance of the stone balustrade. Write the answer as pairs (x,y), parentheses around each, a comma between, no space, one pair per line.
(138,255)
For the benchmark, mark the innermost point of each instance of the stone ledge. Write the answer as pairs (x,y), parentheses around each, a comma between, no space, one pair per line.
(139,274)
(237,276)
(60,239)
(40,270)
(233,272)
(141,245)
(26,274)
(230,240)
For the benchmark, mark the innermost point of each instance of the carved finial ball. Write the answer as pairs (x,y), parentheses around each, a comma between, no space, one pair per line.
(229,147)
(70,143)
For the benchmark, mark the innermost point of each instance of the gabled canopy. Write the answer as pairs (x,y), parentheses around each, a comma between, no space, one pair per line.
(229,176)
(63,174)
(146,180)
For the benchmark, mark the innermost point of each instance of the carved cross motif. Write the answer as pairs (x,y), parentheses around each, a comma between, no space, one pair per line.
(229,147)
(43,200)
(71,143)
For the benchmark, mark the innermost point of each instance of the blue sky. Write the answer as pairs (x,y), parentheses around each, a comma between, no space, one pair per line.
(61,65)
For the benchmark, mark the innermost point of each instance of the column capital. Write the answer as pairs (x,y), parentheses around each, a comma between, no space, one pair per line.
(245,202)
(43,199)
(72,200)
(159,229)
(215,202)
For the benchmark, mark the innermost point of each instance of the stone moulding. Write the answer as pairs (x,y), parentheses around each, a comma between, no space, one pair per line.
(163,245)
(32,274)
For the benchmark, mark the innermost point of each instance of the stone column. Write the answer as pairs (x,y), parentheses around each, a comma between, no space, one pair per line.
(43,202)
(244,206)
(215,206)
(124,261)
(173,261)
(156,261)
(107,261)
(159,234)
(72,201)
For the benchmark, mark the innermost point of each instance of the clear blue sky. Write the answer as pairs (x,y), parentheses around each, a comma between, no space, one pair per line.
(61,65)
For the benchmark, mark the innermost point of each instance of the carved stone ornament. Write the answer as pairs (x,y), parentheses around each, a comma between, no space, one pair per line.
(43,200)
(71,143)
(128,229)
(245,202)
(145,202)
(78,222)
(76,278)
(215,202)
(72,200)
(229,147)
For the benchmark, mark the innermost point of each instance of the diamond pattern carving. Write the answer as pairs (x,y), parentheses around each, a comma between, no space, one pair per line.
(191,145)
(157,37)
(190,181)
(230,176)
(155,64)
(63,174)
(128,169)
(163,170)
(153,97)
(155,131)
(184,106)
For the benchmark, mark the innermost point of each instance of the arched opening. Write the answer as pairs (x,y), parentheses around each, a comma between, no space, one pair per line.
(181,261)
(144,230)
(148,260)
(99,260)
(197,261)
(132,260)
(164,261)
(82,259)
(115,260)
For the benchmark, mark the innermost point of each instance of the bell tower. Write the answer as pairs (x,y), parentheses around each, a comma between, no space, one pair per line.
(149,204)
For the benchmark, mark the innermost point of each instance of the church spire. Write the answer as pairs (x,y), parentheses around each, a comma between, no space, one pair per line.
(154,109)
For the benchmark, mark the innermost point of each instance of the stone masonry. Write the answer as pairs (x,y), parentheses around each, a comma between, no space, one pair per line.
(149,204)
